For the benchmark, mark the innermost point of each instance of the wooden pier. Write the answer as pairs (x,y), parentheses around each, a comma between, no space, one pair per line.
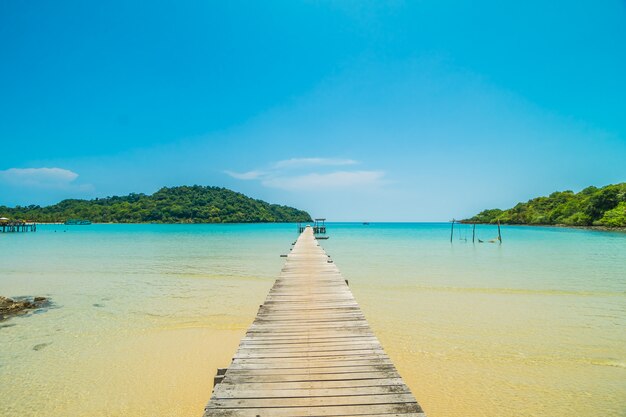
(17,226)
(310,352)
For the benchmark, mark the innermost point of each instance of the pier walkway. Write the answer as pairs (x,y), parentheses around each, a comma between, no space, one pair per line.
(7,226)
(310,352)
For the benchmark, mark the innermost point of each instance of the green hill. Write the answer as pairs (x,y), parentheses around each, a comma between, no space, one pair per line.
(185,204)
(592,206)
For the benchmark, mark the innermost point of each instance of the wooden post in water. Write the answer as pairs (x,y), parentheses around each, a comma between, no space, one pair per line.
(452,230)
(499,235)
(473,232)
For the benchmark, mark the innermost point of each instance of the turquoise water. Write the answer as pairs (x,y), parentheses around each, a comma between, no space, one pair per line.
(143,314)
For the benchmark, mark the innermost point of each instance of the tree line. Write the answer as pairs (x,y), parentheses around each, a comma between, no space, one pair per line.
(592,206)
(184,204)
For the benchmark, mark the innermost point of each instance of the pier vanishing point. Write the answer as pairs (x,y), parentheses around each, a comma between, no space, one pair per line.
(310,352)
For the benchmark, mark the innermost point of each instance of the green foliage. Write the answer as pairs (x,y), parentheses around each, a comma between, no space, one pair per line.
(185,204)
(487,215)
(615,217)
(604,206)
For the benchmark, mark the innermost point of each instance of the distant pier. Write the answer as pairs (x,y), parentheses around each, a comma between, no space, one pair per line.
(310,351)
(17,226)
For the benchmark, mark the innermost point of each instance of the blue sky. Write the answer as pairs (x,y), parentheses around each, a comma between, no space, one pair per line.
(379,111)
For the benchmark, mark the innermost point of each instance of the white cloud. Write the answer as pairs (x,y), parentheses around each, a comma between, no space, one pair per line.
(304,162)
(280,174)
(338,179)
(38,177)
(250,175)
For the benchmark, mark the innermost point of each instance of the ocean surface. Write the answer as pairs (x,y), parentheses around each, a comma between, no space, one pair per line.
(142,315)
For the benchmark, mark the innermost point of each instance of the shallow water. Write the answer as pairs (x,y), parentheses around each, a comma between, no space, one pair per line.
(144,314)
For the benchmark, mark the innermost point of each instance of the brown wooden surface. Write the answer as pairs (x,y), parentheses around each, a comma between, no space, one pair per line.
(310,352)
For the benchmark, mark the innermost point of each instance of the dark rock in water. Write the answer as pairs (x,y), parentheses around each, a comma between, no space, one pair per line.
(10,307)
(98,305)
(40,346)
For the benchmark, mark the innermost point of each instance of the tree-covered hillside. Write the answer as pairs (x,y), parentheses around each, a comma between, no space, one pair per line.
(186,204)
(592,206)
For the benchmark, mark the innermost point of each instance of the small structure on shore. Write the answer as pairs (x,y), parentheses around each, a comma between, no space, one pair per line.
(319,228)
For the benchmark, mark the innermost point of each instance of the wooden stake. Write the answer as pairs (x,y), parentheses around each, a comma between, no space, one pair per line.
(499,235)
(452,231)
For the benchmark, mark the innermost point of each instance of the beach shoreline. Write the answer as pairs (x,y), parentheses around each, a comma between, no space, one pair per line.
(561,226)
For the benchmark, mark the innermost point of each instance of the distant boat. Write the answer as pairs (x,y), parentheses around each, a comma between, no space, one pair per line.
(366,223)
(77,222)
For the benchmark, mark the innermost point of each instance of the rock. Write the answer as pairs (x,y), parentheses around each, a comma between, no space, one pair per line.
(10,307)
(4,301)
(40,346)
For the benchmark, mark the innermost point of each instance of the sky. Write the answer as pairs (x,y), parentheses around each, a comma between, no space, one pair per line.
(351,110)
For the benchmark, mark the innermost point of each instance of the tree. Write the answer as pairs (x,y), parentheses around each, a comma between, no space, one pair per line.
(591,206)
(185,204)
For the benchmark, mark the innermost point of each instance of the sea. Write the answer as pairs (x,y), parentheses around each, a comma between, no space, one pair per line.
(142,315)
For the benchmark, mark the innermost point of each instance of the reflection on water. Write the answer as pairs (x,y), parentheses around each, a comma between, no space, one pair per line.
(146,313)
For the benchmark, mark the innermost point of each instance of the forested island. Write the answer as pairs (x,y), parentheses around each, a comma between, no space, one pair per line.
(184,204)
(605,207)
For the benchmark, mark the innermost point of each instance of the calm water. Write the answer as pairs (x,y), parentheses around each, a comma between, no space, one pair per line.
(143,314)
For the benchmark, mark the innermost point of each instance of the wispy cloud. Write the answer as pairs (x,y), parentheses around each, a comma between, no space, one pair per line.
(250,175)
(312,173)
(38,177)
(337,179)
(307,162)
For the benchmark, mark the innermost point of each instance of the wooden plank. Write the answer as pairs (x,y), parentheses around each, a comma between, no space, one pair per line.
(325,384)
(337,336)
(401,409)
(310,401)
(304,362)
(255,350)
(315,354)
(224,391)
(235,378)
(275,343)
(366,368)
(309,334)
(308,365)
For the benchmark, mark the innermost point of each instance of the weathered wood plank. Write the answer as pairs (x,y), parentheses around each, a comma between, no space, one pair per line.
(245,343)
(308,401)
(327,411)
(303,362)
(367,368)
(236,378)
(286,355)
(223,391)
(300,365)
(327,384)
